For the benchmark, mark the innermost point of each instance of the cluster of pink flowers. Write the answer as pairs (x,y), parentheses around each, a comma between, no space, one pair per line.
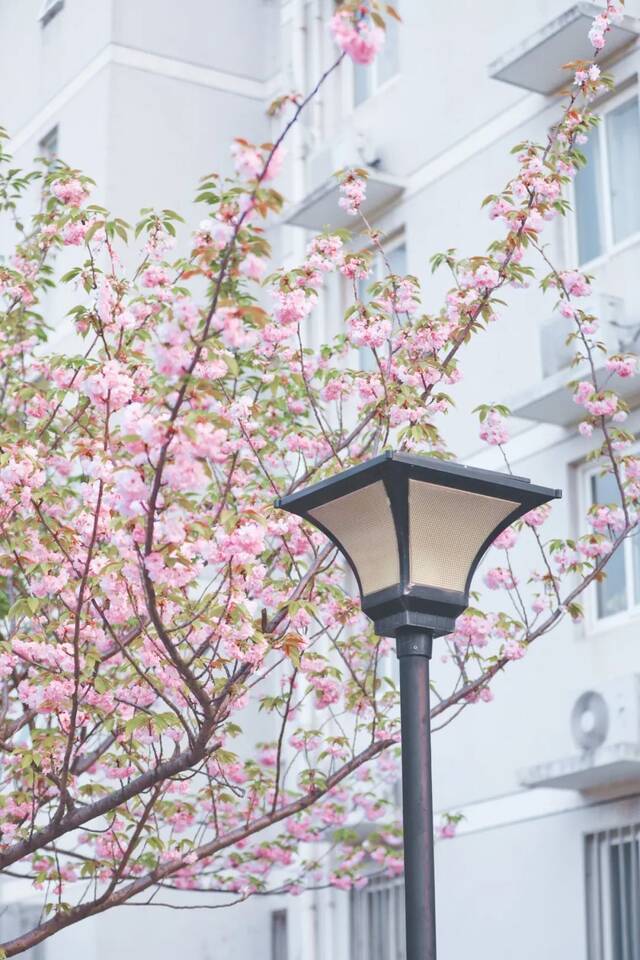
(472,628)
(448,827)
(603,404)
(354,267)
(623,366)
(401,296)
(156,276)
(512,650)
(486,277)
(565,559)
(367,330)
(493,431)
(602,23)
(538,516)
(575,283)
(589,76)
(357,35)
(253,162)
(482,694)
(253,267)
(229,322)
(594,547)
(506,540)
(354,190)
(604,519)
(500,578)
(325,252)
(74,232)
(112,385)
(71,192)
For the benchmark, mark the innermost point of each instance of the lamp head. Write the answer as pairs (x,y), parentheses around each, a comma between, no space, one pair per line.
(413,530)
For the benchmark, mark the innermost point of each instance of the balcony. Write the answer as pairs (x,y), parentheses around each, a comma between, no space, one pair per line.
(550,400)
(609,765)
(535,64)
(319,209)
(605,726)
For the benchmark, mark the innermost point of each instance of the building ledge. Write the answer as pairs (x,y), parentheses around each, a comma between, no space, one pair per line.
(617,763)
(536,63)
(320,208)
(551,401)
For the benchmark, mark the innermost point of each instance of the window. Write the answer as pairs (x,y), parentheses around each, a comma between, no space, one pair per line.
(315,29)
(613,894)
(607,200)
(377,920)
(367,80)
(279,945)
(48,146)
(620,590)
(49,10)
(17,918)
(396,254)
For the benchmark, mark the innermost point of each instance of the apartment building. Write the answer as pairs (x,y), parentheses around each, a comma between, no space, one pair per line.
(145,96)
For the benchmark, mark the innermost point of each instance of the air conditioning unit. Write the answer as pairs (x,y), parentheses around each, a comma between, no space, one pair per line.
(607,716)
(354,150)
(605,726)
(557,355)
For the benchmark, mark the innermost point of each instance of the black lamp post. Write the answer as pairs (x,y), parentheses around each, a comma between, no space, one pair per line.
(413,531)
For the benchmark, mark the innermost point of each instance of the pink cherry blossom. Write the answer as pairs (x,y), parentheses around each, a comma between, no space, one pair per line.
(357,35)
(493,431)
(253,267)
(354,190)
(70,192)
(74,232)
(575,283)
(500,578)
(623,366)
(538,516)
(506,540)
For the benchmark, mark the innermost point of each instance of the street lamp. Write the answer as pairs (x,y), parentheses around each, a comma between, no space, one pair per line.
(413,530)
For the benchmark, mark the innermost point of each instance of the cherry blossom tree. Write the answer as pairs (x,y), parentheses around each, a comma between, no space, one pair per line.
(190,697)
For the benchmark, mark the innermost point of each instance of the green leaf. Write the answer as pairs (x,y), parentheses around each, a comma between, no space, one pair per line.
(93,229)
(19,609)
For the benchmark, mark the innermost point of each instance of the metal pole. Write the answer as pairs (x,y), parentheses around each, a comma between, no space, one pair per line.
(413,647)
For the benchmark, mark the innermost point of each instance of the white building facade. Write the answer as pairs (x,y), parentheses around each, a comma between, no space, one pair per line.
(145,96)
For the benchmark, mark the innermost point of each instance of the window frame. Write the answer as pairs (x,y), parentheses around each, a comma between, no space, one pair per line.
(598,886)
(50,139)
(374,86)
(610,248)
(279,934)
(360,917)
(595,624)
(25,914)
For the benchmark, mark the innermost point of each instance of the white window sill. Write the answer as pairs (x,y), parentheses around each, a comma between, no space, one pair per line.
(604,258)
(600,627)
